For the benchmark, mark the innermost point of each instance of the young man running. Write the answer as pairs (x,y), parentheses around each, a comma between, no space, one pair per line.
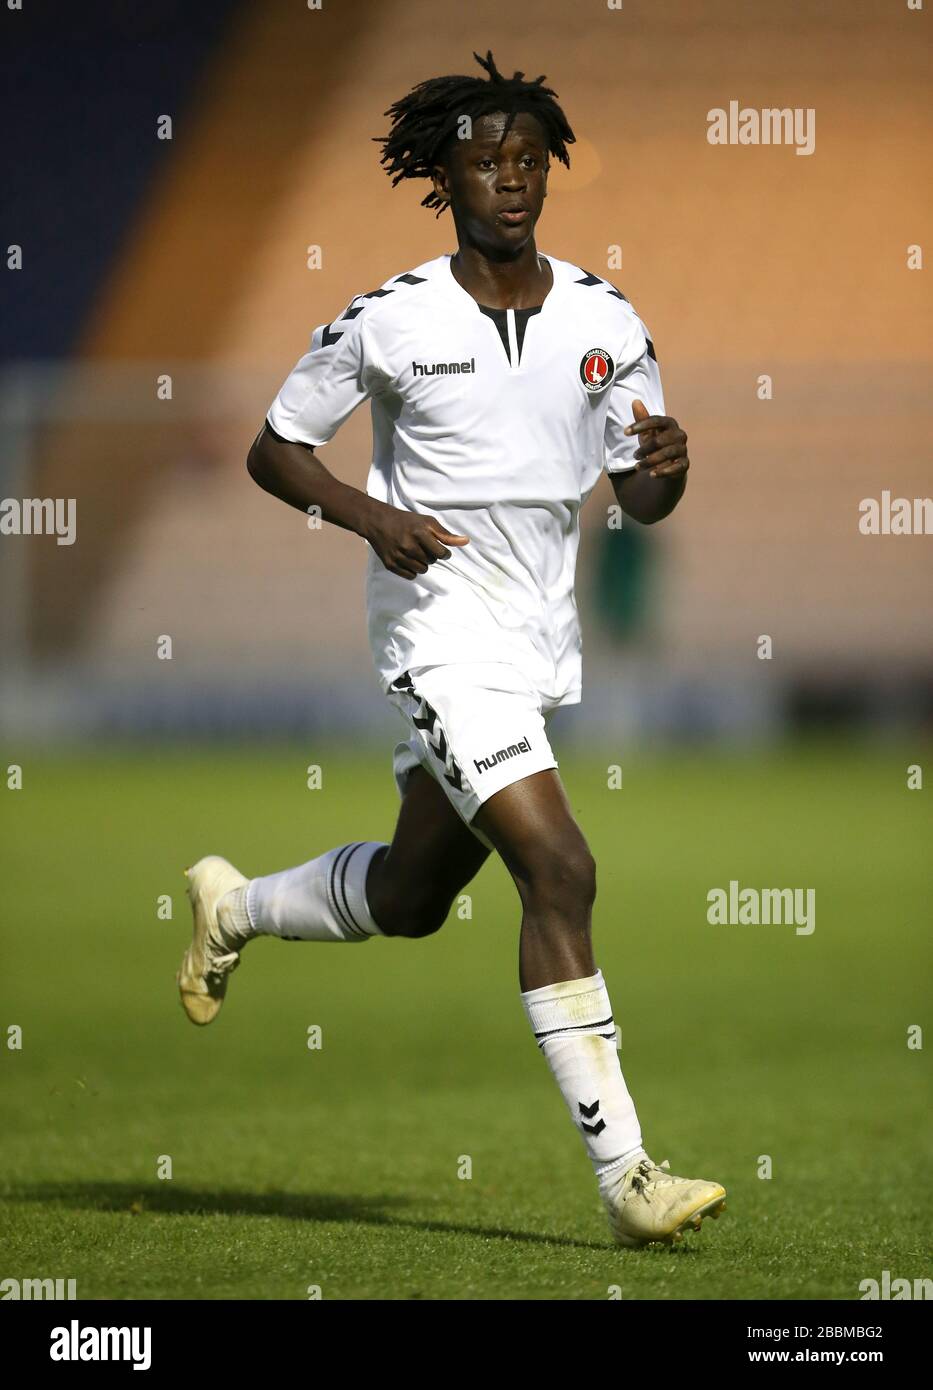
(501,383)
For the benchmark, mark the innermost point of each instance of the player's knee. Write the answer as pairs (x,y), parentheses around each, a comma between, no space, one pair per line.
(426,921)
(561,879)
(415,916)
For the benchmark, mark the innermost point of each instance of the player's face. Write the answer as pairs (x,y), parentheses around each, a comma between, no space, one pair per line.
(496,187)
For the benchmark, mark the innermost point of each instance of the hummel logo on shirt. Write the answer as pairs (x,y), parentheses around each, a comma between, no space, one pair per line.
(443,368)
(487,764)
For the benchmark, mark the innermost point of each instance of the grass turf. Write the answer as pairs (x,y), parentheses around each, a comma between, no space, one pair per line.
(338,1168)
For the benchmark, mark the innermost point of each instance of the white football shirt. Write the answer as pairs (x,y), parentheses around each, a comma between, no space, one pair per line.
(498,422)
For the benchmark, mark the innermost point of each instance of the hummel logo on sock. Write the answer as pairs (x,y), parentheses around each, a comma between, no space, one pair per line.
(589,1111)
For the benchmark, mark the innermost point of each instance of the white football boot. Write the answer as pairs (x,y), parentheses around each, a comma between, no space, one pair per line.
(207,964)
(647,1204)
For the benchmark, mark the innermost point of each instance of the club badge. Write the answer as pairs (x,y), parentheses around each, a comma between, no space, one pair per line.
(596,369)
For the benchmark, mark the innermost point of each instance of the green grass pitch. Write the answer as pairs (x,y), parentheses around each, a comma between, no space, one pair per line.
(338,1167)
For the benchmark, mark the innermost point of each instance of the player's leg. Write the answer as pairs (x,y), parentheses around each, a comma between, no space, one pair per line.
(531,825)
(348,894)
(368,888)
(432,857)
(533,829)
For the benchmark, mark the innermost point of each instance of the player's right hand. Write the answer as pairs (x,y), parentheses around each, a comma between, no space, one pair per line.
(407,543)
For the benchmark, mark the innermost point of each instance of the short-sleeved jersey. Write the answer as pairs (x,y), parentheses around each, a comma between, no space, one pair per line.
(498,422)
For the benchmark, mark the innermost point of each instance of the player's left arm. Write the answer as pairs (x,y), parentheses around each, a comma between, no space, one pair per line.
(651,490)
(645,448)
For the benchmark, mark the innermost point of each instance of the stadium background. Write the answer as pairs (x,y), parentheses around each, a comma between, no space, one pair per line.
(188,257)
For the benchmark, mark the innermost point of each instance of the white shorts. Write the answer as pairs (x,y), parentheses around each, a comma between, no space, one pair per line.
(476,726)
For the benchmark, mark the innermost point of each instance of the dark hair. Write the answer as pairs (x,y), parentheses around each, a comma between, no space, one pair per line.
(425,121)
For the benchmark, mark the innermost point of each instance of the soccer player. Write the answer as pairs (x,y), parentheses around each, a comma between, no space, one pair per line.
(501,383)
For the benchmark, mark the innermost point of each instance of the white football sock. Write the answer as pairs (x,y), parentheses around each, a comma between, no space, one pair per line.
(323,900)
(573,1024)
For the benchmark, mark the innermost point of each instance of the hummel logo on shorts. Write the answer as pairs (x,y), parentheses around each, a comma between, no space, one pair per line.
(487,764)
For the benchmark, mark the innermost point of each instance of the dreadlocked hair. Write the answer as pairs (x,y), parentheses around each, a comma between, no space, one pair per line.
(424,121)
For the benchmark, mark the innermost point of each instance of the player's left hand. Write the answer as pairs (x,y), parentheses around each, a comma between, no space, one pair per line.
(664,452)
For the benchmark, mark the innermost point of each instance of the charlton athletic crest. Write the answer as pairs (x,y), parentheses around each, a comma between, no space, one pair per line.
(596,369)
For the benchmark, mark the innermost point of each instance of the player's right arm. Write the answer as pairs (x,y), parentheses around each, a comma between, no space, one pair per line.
(342,369)
(406,542)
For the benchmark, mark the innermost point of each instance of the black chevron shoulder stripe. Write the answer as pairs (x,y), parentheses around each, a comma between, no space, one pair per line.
(591,281)
(335,329)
